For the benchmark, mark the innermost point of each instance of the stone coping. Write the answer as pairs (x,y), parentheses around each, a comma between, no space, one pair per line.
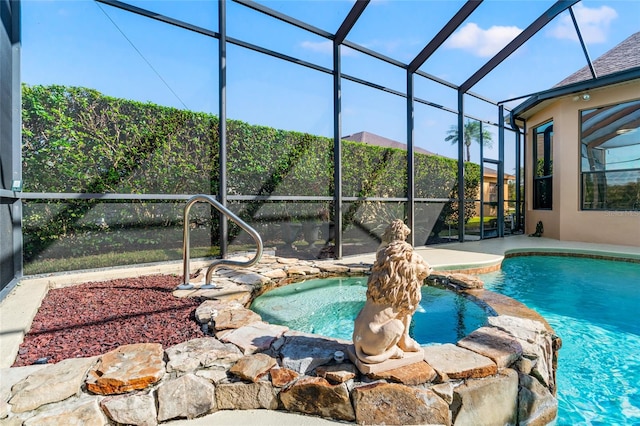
(573,252)
(472,269)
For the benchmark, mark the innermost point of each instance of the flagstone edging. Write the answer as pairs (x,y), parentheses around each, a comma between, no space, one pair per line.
(503,372)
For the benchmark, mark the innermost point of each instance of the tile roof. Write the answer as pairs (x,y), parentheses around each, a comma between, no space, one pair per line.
(624,56)
(373,139)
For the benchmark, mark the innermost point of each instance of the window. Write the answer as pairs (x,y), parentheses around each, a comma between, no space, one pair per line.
(543,166)
(610,157)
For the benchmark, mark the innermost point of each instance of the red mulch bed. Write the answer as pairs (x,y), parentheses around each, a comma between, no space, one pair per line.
(95,318)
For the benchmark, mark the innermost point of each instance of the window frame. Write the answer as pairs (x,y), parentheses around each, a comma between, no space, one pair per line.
(543,201)
(604,204)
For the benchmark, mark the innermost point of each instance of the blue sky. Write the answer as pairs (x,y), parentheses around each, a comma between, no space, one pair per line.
(83,43)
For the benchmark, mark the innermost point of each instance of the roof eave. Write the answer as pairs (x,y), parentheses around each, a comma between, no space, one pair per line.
(606,80)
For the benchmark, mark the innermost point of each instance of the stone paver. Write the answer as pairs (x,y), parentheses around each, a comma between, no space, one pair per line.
(246,396)
(304,352)
(252,367)
(395,404)
(9,377)
(228,291)
(254,337)
(204,352)
(187,396)
(127,368)
(535,402)
(331,267)
(85,412)
(489,400)
(502,347)
(251,279)
(209,309)
(54,383)
(131,409)
(337,373)
(235,317)
(316,396)
(454,362)
(275,274)
(302,270)
(281,377)
(537,342)
(412,374)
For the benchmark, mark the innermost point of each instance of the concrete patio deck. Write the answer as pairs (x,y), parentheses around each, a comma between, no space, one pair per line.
(19,307)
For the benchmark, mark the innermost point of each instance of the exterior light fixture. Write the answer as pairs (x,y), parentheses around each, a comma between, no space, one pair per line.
(582,97)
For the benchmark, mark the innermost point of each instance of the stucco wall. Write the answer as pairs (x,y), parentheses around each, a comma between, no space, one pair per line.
(566,221)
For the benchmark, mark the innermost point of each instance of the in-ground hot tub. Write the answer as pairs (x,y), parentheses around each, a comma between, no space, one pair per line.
(329,306)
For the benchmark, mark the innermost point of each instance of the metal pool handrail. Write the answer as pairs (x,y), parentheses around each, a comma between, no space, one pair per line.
(186,285)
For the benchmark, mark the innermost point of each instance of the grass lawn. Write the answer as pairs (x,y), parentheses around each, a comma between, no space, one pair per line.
(474,222)
(115,259)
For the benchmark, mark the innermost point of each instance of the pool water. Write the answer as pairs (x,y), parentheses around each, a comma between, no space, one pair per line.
(592,305)
(329,306)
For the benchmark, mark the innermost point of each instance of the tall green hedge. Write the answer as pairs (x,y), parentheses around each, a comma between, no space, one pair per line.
(78,140)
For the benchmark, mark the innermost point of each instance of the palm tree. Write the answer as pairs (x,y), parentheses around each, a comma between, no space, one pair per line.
(471,133)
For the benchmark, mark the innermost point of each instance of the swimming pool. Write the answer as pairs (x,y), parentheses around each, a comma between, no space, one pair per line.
(329,306)
(592,305)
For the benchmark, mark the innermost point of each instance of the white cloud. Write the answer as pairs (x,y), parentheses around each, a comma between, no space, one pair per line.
(320,47)
(594,24)
(481,42)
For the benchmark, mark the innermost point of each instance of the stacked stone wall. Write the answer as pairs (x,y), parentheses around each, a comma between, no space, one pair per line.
(502,373)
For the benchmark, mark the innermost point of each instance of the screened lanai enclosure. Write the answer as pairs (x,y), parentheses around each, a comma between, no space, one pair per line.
(316,122)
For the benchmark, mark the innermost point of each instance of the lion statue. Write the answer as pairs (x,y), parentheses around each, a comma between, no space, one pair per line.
(396,230)
(381,329)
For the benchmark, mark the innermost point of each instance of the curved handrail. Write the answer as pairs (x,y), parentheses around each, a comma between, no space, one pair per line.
(218,262)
